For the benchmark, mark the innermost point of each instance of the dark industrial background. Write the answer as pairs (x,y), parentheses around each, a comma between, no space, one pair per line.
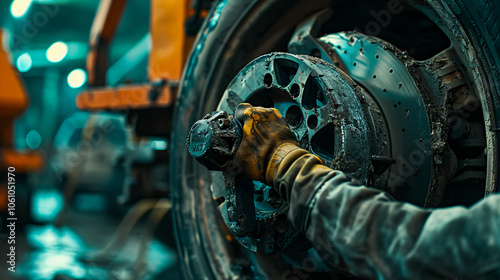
(49,42)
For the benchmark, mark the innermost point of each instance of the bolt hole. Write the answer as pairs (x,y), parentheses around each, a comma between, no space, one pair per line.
(312,121)
(339,47)
(390,71)
(385,90)
(377,56)
(399,102)
(294,116)
(395,105)
(354,64)
(345,52)
(400,85)
(268,80)
(403,130)
(295,90)
(315,53)
(374,76)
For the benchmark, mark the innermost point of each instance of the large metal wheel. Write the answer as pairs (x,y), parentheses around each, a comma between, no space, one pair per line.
(410,111)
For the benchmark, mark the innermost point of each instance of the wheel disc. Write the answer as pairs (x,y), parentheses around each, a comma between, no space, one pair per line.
(441,85)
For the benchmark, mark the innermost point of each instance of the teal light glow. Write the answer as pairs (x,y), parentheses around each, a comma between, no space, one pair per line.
(159,145)
(24,63)
(46,205)
(56,252)
(33,139)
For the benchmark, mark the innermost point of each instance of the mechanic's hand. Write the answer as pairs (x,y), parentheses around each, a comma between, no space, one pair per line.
(264,131)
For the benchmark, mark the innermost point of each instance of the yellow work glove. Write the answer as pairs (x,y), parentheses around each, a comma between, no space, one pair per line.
(266,141)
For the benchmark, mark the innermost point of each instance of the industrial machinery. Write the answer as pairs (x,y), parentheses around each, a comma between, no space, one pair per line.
(399,94)
(402,95)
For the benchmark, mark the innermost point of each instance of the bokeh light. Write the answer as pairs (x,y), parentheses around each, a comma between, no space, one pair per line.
(33,139)
(77,78)
(57,52)
(24,62)
(19,7)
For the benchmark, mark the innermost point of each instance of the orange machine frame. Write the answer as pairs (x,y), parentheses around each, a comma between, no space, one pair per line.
(13,101)
(169,51)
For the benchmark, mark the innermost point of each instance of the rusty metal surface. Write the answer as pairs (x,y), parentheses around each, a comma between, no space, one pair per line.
(324,113)
(125,97)
(459,141)
(372,119)
(213,140)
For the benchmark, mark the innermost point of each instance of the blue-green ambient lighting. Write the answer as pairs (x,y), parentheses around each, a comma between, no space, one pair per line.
(33,139)
(46,205)
(24,63)
(159,145)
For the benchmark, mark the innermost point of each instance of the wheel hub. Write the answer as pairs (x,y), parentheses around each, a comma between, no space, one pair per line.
(337,118)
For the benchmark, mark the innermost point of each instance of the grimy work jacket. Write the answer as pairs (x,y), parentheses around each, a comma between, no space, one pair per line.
(375,237)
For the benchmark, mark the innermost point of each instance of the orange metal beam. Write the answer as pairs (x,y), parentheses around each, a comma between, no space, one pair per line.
(23,162)
(168,37)
(122,98)
(103,29)
(169,51)
(13,101)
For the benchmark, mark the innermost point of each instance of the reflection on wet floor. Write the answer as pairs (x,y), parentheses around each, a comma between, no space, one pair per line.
(46,252)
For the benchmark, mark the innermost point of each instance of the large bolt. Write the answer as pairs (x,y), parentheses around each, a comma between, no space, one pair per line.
(213,140)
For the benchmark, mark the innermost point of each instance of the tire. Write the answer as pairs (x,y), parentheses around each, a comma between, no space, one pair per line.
(481,23)
(235,33)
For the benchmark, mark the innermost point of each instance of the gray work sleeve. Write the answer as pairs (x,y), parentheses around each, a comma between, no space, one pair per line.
(379,238)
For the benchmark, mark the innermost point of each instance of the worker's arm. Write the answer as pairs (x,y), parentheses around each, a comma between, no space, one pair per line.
(365,229)
(378,238)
